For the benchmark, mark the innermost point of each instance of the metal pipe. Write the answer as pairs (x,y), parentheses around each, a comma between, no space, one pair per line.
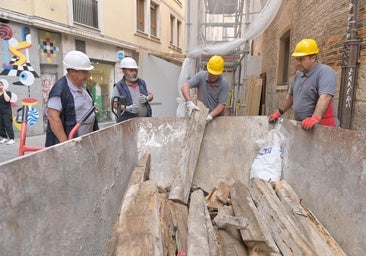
(350,62)
(246,50)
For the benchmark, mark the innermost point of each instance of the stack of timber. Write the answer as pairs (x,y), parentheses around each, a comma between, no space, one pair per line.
(260,218)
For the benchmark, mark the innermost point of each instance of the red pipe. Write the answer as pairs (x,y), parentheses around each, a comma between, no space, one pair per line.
(23,135)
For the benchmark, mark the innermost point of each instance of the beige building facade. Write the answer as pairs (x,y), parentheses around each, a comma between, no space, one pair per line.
(35,35)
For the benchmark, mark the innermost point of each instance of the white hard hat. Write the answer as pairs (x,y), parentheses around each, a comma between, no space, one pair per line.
(77,60)
(128,63)
(5,83)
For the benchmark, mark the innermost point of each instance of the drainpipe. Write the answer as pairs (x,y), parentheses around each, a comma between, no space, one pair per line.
(350,61)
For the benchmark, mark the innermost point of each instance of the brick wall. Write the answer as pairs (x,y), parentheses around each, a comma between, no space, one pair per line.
(326,22)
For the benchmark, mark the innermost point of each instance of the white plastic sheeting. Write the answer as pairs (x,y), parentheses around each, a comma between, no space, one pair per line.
(258,26)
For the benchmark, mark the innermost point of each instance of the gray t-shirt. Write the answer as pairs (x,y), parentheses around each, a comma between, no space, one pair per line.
(210,95)
(83,102)
(135,94)
(306,90)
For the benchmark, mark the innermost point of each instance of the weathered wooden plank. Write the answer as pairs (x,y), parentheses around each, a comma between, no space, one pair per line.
(282,227)
(201,234)
(218,196)
(180,218)
(141,171)
(182,182)
(139,231)
(253,96)
(231,246)
(234,232)
(173,218)
(255,234)
(139,174)
(229,236)
(226,221)
(168,228)
(257,253)
(314,231)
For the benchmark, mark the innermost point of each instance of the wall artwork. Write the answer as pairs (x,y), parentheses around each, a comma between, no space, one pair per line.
(48,47)
(17,63)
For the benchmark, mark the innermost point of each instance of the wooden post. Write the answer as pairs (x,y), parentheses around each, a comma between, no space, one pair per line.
(256,233)
(182,182)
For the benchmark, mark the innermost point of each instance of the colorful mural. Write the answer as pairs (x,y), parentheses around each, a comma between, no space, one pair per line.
(17,64)
(48,47)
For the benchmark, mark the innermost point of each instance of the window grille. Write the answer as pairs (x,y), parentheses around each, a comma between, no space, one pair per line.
(140,23)
(172,24)
(179,26)
(80,46)
(86,12)
(153,19)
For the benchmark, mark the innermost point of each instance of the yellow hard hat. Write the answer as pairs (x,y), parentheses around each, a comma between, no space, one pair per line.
(215,65)
(306,47)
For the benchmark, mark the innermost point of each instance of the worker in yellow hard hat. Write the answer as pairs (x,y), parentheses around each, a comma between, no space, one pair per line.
(212,86)
(312,90)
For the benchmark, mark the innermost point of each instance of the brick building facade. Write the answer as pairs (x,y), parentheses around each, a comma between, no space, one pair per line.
(325,21)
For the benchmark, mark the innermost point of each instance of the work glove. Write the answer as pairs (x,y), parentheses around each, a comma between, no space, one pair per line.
(132,108)
(309,122)
(274,117)
(209,118)
(190,107)
(143,99)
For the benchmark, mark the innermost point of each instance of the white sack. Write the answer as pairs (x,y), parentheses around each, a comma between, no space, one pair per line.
(267,164)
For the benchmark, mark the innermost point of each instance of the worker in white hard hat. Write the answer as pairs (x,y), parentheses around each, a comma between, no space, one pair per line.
(134,90)
(69,100)
(213,88)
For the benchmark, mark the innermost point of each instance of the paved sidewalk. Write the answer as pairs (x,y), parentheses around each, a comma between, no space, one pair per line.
(9,152)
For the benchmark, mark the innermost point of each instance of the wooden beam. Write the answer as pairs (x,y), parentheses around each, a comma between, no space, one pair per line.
(139,174)
(142,170)
(285,232)
(231,246)
(313,230)
(256,234)
(173,218)
(225,221)
(139,223)
(219,196)
(234,232)
(229,235)
(168,227)
(201,234)
(180,218)
(182,182)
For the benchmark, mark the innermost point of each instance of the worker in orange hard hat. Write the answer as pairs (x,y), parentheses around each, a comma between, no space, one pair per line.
(312,89)
(213,88)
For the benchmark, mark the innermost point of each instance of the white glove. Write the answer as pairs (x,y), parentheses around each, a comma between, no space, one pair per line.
(209,118)
(132,108)
(190,107)
(143,99)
